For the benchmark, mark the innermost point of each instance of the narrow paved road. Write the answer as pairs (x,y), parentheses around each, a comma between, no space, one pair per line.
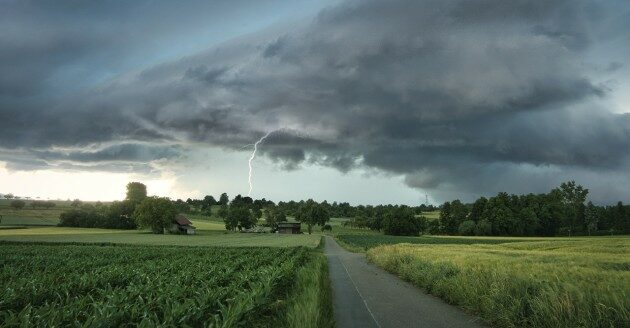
(367,296)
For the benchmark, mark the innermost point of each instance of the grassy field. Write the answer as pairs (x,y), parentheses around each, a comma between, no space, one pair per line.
(433,215)
(61,285)
(581,282)
(363,242)
(202,238)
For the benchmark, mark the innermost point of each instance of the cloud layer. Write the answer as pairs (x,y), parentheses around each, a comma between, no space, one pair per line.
(461,97)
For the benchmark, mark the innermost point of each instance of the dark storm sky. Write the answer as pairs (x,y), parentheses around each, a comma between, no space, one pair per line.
(459,98)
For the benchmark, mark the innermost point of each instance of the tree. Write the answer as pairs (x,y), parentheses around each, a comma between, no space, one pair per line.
(529,224)
(136,193)
(156,213)
(274,214)
(573,197)
(9,196)
(452,215)
(18,204)
(400,221)
(207,202)
(477,209)
(76,203)
(591,217)
(224,199)
(312,214)
(239,217)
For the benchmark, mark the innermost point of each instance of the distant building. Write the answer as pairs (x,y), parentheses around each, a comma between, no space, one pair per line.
(182,225)
(289,227)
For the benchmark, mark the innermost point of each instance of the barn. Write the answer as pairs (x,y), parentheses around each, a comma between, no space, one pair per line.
(182,225)
(289,227)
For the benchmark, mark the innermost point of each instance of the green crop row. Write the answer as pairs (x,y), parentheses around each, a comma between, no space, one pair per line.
(113,286)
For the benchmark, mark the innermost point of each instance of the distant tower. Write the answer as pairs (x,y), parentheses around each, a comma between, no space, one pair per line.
(426,199)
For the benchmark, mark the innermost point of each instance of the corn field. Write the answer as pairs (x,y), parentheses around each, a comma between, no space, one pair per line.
(113,286)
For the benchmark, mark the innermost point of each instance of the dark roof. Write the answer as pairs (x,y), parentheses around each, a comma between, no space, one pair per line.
(182,220)
(288,224)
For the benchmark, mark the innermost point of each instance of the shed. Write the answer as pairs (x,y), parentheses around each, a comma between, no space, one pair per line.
(289,227)
(182,225)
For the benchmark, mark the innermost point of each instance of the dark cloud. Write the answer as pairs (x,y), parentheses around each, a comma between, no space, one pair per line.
(462,97)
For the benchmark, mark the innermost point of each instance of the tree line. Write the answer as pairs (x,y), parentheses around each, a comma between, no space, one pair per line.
(560,212)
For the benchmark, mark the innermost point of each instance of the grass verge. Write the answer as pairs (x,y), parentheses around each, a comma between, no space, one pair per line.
(310,303)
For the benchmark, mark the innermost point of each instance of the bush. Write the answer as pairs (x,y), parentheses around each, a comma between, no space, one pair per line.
(17,204)
(327,227)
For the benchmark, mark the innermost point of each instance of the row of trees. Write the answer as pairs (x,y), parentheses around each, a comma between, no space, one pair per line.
(245,213)
(562,211)
(19,204)
(400,220)
(117,215)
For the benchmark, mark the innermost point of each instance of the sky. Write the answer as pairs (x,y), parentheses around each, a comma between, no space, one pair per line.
(369,102)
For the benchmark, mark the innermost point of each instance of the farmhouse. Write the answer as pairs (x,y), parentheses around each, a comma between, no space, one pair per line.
(289,227)
(182,225)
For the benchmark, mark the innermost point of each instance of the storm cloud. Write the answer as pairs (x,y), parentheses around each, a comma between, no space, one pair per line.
(463,98)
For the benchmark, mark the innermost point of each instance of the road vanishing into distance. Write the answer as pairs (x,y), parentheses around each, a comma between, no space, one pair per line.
(367,296)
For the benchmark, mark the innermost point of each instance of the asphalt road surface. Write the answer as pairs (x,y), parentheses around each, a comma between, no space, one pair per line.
(366,296)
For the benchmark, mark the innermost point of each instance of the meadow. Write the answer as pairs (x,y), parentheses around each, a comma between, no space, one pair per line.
(29,216)
(59,285)
(553,283)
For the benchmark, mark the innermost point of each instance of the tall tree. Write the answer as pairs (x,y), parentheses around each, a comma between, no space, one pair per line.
(224,199)
(573,197)
(136,193)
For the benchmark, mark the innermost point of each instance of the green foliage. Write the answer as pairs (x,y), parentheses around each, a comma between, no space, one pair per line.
(452,215)
(573,283)
(467,228)
(311,213)
(273,214)
(224,199)
(112,286)
(136,193)
(560,212)
(89,216)
(18,204)
(239,217)
(401,221)
(156,213)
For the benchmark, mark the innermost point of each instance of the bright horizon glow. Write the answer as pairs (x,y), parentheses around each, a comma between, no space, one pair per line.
(87,186)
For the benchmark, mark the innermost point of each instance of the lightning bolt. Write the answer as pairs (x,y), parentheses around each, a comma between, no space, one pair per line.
(251,158)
